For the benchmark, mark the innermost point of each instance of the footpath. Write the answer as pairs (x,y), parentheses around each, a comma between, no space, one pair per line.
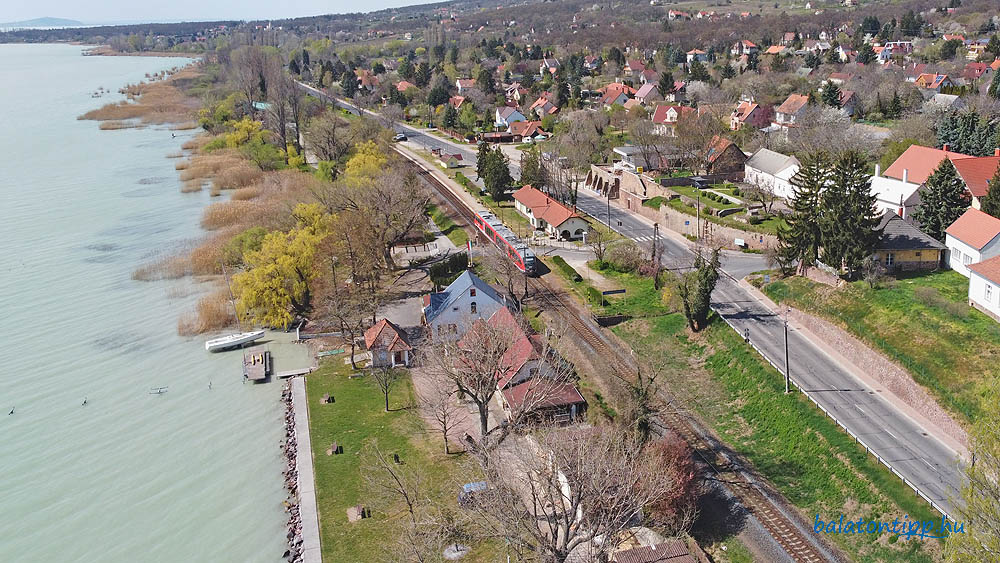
(306,481)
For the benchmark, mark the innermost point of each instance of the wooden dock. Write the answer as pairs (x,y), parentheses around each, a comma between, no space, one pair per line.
(256,363)
(292,373)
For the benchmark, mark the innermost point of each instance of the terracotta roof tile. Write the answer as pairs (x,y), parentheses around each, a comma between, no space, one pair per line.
(975,228)
(793,104)
(544,207)
(977,172)
(989,269)
(919,162)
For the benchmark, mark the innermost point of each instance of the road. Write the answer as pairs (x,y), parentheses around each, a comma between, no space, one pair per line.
(901,441)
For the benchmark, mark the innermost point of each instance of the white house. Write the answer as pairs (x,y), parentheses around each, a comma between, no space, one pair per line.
(450,313)
(974,237)
(545,213)
(506,115)
(771,170)
(786,114)
(984,286)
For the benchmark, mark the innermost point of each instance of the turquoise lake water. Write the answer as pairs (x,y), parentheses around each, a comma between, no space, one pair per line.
(190,475)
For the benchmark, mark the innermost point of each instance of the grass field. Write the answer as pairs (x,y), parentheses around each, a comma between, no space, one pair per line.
(816,466)
(923,322)
(769,226)
(357,416)
(455,234)
(693,193)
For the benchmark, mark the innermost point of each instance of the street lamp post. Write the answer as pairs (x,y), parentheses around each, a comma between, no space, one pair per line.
(786,350)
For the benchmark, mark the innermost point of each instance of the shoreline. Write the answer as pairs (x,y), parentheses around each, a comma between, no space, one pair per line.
(303,519)
(107,51)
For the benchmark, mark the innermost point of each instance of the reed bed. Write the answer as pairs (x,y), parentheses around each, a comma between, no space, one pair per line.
(166,268)
(176,154)
(196,142)
(206,258)
(116,124)
(226,214)
(192,186)
(155,102)
(182,164)
(211,165)
(244,194)
(213,312)
(237,176)
(186,126)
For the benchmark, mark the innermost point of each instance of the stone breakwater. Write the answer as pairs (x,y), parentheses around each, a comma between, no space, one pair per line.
(290,450)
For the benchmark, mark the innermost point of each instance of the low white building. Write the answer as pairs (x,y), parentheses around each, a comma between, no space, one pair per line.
(549,215)
(771,170)
(972,238)
(984,286)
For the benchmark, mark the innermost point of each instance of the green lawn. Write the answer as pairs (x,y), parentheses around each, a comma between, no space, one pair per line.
(358,415)
(692,192)
(814,464)
(769,226)
(923,322)
(456,234)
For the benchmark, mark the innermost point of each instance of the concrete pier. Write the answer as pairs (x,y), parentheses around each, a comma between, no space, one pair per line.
(307,484)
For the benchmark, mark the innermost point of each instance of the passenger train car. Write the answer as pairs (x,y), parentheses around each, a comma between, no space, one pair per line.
(517,250)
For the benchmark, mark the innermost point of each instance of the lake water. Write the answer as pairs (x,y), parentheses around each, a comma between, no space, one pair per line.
(190,475)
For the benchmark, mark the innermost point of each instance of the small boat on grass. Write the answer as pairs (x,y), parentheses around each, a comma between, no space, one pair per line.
(233,341)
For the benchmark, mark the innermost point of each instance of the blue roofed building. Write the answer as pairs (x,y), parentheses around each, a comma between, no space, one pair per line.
(450,313)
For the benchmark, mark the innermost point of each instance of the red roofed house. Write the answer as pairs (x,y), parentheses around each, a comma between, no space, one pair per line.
(789,110)
(366,79)
(543,105)
(387,345)
(648,93)
(634,67)
(547,214)
(848,102)
(465,84)
(725,158)
(976,172)
(933,82)
(984,286)
(696,55)
(524,130)
(456,101)
(665,118)
(614,98)
(750,113)
(975,71)
(995,65)
(974,237)
(775,50)
(898,189)
(743,47)
(403,86)
(546,400)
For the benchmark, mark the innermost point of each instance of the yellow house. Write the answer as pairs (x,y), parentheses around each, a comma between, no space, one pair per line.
(905,248)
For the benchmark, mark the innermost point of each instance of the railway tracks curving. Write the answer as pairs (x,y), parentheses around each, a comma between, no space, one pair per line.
(722,465)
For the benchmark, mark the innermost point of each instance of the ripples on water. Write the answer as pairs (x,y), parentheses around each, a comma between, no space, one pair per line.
(190,475)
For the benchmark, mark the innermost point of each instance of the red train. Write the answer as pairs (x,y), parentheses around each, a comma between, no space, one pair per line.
(517,250)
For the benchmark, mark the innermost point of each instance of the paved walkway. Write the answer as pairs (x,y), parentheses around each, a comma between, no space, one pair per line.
(307,483)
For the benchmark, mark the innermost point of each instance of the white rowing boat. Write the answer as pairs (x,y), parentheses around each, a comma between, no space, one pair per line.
(233,341)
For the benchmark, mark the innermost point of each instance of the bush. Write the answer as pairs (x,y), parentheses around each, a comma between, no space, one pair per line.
(566,269)
(736,192)
(624,256)
(445,272)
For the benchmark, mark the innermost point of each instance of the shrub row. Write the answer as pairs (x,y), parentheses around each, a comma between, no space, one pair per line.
(566,269)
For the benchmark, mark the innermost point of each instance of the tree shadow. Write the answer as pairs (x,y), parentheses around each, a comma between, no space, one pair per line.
(720,516)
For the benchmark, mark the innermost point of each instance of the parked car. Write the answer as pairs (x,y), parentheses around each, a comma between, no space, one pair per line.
(469,492)
(399,137)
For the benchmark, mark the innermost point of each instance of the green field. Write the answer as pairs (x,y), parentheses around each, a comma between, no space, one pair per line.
(815,465)
(357,416)
(923,322)
(455,234)
(693,193)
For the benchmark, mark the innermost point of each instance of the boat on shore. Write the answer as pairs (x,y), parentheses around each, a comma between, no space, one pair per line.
(233,341)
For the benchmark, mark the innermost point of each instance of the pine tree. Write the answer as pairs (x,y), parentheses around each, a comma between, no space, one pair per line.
(895,109)
(422,76)
(802,237)
(831,95)
(482,158)
(666,85)
(293,67)
(991,201)
(698,72)
(994,90)
(866,55)
(349,84)
(450,117)
(942,201)
(849,216)
(727,72)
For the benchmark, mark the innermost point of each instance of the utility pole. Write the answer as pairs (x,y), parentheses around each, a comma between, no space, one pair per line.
(786,351)
(698,222)
(609,208)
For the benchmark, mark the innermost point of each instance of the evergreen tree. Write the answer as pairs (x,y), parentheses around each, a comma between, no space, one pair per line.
(293,67)
(833,55)
(753,61)
(450,117)
(994,90)
(349,84)
(727,72)
(695,290)
(561,93)
(405,70)
(991,202)
(802,237)
(895,109)
(422,76)
(849,216)
(812,60)
(305,58)
(831,94)
(879,106)
(866,55)
(486,83)
(496,174)
(993,47)
(482,158)
(698,72)
(942,201)
(666,84)
(532,171)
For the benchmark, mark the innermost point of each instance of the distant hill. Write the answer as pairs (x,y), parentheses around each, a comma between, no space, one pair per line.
(44,22)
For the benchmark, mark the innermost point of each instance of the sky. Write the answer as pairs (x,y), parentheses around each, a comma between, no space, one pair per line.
(130,11)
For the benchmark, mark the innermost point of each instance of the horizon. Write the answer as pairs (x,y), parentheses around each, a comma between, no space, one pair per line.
(119,12)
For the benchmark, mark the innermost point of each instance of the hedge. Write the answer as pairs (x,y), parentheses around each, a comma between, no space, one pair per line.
(566,269)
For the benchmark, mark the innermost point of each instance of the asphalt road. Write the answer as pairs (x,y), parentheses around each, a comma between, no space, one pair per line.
(903,443)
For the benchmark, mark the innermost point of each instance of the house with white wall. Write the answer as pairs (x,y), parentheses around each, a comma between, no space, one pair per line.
(972,238)
(547,214)
(772,171)
(450,313)
(984,286)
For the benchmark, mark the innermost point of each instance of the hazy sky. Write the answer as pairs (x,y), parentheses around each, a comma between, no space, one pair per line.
(105,11)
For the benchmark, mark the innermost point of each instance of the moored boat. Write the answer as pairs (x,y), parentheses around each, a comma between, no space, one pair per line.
(233,341)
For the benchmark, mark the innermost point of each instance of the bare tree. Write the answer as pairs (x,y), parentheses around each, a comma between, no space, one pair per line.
(646,136)
(598,240)
(441,402)
(695,134)
(390,116)
(513,280)
(281,88)
(562,493)
(384,378)
(248,73)
(389,481)
(327,136)
(762,192)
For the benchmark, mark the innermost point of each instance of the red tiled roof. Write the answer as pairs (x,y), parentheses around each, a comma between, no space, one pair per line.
(717,146)
(672,551)
(466,82)
(989,269)
(743,111)
(793,104)
(995,65)
(544,207)
(977,172)
(919,162)
(404,85)
(636,65)
(774,49)
(456,101)
(617,86)
(974,71)
(392,337)
(975,228)
(660,113)
(526,128)
(930,80)
(540,393)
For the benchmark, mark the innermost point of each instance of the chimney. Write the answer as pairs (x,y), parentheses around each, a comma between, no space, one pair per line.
(878,170)
(906,174)
(945,147)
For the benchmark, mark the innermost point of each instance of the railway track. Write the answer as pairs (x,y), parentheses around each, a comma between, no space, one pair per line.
(721,465)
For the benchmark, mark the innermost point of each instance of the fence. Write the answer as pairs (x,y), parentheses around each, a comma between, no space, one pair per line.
(857,438)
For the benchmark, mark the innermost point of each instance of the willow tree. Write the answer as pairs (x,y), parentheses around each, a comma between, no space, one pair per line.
(278,281)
